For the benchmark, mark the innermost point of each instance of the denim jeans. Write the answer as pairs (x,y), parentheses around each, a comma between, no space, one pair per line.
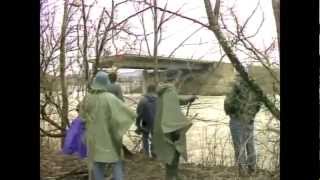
(146,142)
(243,143)
(100,167)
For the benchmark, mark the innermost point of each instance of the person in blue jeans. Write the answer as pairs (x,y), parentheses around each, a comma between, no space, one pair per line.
(106,120)
(100,167)
(146,111)
(242,105)
(116,90)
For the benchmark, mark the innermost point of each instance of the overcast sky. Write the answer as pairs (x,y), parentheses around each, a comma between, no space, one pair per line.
(176,30)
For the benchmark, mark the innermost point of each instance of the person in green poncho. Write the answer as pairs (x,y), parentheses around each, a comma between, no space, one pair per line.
(106,119)
(170,125)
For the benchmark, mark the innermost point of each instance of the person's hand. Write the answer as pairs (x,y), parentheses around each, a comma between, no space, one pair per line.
(175,136)
(193,98)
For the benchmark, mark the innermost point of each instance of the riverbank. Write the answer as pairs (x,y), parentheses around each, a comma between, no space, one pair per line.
(54,166)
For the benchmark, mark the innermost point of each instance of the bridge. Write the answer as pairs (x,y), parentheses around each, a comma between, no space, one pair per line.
(209,77)
(130,61)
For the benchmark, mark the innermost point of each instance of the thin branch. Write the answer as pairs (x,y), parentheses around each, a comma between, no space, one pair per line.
(250,16)
(182,16)
(129,17)
(145,35)
(193,33)
(45,133)
(214,26)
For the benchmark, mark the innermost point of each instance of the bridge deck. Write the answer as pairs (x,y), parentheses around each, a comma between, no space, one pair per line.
(147,62)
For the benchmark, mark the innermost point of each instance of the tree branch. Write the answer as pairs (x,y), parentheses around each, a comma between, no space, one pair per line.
(45,133)
(214,26)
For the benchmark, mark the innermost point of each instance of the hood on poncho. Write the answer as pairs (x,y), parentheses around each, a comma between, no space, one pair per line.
(107,119)
(100,82)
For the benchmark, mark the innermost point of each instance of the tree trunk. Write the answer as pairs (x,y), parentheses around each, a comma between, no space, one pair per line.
(155,42)
(64,93)
(214,26)
(276,12)
(85,45)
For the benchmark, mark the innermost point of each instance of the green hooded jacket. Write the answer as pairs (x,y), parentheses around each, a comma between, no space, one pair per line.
(169,121)
(241,103)
(107,119)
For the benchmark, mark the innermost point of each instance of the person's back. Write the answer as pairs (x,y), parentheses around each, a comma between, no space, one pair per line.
(116,90)
(113,87)
(150,111)
(106,119)
(99,124)
(146,111)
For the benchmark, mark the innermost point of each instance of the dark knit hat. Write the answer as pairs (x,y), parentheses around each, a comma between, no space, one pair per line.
(172,73)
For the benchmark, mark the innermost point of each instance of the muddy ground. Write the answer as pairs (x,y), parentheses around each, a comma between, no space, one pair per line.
(54,166)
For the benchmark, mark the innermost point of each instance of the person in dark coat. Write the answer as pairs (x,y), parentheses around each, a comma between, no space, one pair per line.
(146,111)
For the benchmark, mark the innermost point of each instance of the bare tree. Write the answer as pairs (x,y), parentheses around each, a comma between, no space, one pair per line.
(213,17)
(54,62)
(67,14)
(49,47)
(64,117)
(276,12)
(155,40)
(65,48)
(111,29)
(159,20)
(85,17)
(241,42)
(214,26)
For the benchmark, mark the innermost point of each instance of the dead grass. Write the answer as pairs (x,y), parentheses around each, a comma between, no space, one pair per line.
(53,164)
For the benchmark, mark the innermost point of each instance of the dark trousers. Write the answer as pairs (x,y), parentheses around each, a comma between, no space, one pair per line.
(146,143)
(172,169)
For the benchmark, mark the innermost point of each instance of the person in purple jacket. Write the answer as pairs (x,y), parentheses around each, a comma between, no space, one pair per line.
(74,142)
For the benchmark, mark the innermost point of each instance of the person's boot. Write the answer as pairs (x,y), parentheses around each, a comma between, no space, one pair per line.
(172,174)
(179,178)
(251,170)
(153,156)
(173,178)
(242,171)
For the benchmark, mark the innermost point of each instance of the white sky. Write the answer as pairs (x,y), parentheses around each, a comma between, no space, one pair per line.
(177,29)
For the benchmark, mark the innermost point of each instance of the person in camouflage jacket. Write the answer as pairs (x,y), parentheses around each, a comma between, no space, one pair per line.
(242,105)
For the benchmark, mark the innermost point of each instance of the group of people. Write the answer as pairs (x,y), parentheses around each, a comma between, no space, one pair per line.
(161,123)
